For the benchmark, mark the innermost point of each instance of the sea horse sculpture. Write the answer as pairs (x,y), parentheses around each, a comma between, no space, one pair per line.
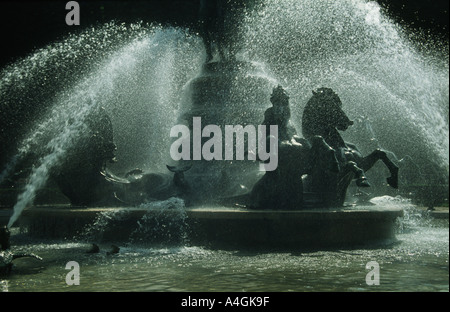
(323,116)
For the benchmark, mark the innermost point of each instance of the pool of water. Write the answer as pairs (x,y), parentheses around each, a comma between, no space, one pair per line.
(418,261)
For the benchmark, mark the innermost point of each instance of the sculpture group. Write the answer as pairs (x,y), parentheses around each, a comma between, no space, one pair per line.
(320,163)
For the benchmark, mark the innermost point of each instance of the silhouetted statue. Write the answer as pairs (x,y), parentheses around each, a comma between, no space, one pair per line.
(279,114)
(219,27)
(80,174)
(212,21)
(283,187)
(323,116)
(85,180)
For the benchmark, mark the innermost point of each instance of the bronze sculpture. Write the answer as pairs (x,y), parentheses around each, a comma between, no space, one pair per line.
(323,115)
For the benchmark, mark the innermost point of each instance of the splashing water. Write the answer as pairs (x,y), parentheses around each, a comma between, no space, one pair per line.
(162,222)
(104,220)
(352,47)
(138,74)
(132,67)
(413,217)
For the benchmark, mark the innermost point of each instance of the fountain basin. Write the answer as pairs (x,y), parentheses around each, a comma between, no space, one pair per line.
(223,227)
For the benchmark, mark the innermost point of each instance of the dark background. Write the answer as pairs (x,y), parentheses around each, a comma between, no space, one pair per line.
(27,25)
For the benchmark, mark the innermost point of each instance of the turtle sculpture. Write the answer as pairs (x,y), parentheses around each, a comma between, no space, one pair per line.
(6,256)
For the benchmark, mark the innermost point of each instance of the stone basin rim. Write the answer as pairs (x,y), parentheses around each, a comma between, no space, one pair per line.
(199,210)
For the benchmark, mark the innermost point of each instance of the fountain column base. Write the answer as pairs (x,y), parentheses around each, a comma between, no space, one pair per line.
(225,93)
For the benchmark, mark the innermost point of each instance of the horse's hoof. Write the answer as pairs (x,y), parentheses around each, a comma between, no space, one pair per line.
(393,182)
(362,182)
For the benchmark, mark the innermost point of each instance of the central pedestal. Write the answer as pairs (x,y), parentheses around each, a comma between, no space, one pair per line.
(226,93)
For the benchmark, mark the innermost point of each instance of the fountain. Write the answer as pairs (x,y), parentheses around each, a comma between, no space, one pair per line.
(141,80)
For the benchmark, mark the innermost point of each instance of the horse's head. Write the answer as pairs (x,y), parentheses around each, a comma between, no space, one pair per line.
(328,109)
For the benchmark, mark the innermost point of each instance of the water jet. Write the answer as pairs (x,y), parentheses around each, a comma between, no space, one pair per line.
(149,78)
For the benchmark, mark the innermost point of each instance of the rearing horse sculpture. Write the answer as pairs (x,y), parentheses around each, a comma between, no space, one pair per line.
(283,187)
(323,116)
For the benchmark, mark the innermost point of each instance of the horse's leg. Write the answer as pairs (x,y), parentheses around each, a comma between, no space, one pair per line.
(358,173)
(320,147)
(344,180)
(334,193)
(349,171)
(367,162)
